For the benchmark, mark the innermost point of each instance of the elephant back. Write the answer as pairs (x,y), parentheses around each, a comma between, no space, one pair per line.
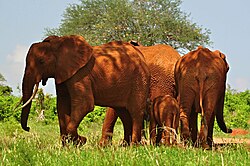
(161,60)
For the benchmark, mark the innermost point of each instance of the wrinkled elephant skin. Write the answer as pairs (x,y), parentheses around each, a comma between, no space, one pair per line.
(164,120)
(200,79)
(161,60)
(112,75)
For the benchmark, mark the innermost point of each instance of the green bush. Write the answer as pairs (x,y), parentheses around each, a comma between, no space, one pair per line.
(7,112)
(7,104)
(97,115)
(237,108)
(50,112)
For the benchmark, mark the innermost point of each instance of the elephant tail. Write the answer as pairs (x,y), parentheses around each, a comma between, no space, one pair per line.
(201,80)
(201,86)
(204,126)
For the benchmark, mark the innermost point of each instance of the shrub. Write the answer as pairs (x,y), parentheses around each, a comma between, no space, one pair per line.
(237,108)
(7,104)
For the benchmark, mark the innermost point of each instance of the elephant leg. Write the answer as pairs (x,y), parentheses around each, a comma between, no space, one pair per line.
(82,102)
(210,129)
(152,128)
(136,129)
(202,138)
(167,132)
(136,108)
(159,135)
(127,124)
(193,126)
(175,126)
(206,127)
(63,109)
(108,127)
(137,114)
(184,120)
(77,114)
(185,109)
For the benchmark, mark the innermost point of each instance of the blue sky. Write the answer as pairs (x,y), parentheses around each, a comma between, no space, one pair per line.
(23,22)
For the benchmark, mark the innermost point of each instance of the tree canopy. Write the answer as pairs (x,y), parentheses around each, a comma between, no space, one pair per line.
(147,21)
(4,89)
(2,79)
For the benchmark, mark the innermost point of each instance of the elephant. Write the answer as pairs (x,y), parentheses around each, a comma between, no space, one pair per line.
(160,60)
(164,119)
(200,78)
(112,75)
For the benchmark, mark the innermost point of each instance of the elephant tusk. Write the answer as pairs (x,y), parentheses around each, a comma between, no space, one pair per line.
(20,101)
(32,96)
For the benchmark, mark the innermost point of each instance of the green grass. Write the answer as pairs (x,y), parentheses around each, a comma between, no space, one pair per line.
(42,146)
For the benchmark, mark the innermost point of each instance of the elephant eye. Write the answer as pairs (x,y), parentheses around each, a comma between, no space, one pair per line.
(41,61)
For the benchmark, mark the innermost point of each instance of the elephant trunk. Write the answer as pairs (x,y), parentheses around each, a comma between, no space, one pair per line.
(220,120)
(27,88)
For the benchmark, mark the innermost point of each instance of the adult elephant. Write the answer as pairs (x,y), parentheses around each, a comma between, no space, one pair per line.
(200,78)
(113,74)
(160,60)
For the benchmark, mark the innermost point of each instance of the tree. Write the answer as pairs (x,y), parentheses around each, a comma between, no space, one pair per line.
(4,89)
(147,21)
(40,104)
(2,79)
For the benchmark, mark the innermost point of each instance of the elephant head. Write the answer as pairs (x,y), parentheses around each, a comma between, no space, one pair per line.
(54,57)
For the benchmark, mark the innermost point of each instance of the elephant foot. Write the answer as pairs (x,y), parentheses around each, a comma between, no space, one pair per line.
(186,142)
(185,138)
(104,142)
(174,142)
(164,142)
(124,143)
(106,139)
(79,141)
(205,146)
(144,142)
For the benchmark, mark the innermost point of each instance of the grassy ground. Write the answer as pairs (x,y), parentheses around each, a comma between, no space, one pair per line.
(41,146)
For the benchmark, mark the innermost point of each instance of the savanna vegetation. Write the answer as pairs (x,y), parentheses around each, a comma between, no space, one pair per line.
(42,146)
(100,21)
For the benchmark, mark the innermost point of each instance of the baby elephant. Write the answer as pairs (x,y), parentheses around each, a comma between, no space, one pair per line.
(164,120)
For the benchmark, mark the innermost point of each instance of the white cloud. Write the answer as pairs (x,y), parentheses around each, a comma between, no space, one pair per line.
(18,55)
(13,66)
(242,83)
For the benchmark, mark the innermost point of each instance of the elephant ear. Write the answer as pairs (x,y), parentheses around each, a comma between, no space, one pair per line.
(72,54)
(223,56)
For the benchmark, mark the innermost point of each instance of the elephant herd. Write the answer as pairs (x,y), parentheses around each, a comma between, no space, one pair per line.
(135,82)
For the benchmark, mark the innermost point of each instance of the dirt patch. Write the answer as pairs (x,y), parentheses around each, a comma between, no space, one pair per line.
(237,132)
(231,141)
